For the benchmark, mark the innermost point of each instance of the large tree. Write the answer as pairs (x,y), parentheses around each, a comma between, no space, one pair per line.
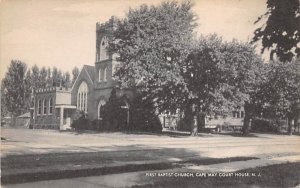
(152,43)
(67,79)
(57,77)
(49,78)
(282,89)
(222,76)
(3,104)
(28,89)
(35,75)
(15,88)
(244,72)
(203,79)
(280,33)
(43,77)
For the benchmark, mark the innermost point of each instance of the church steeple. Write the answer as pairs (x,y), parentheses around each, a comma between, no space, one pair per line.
(104,60)
(103,34)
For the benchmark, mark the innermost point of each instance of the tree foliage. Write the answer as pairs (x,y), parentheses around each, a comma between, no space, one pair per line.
(280,34)
(282,88)
(152,43)
(4,110)
(75,73)
(221,75)
(43,77)
(67,80)
(34,79)
(15,88)
(202,74)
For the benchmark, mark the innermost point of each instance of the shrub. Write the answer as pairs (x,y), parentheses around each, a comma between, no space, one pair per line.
(184,124)
(264,125)
(144,119)
(113,114)
(143,116)
(81,123)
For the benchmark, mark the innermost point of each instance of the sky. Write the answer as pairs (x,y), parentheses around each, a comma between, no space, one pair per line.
(62,33)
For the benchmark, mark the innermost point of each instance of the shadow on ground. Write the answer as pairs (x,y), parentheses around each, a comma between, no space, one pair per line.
(28,168)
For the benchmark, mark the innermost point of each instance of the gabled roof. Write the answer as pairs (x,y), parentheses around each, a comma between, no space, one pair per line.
(86,69)
(90,70)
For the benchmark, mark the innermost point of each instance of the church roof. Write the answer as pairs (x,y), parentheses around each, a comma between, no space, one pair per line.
(91,71)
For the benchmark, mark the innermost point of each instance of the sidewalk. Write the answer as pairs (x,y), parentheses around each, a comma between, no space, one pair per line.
(240,165)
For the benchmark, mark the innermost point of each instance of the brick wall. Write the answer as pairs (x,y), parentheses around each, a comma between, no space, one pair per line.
(43,118)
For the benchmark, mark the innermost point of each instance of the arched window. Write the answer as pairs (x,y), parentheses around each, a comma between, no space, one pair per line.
(82,97)
(103,48)
(39,107)
(100,108)
(50,105)
(45,106)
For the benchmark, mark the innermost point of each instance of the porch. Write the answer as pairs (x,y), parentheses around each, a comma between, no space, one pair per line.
(65,116)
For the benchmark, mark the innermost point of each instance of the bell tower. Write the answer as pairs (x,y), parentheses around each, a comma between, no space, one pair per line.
(103,34)
(104,59)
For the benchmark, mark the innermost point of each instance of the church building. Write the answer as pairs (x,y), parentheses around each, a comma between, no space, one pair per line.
(56,107)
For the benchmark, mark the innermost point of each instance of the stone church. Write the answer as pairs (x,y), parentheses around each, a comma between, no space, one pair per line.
(55,107)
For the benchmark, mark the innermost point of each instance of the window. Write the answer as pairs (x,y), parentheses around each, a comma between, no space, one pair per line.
(99,75)
(100,108)
(103,48)
(50,106)
(45,106)
(104,74)
(242,114)
(100,78)
(39,107)
(82,97)
(233,114)
(32,103)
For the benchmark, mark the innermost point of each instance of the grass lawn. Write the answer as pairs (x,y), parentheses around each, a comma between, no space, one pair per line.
(281,175)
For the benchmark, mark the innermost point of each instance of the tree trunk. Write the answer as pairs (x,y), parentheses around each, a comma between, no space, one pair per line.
(247,119)
(189,119)
(194,125)
(290,125)
(201,121)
